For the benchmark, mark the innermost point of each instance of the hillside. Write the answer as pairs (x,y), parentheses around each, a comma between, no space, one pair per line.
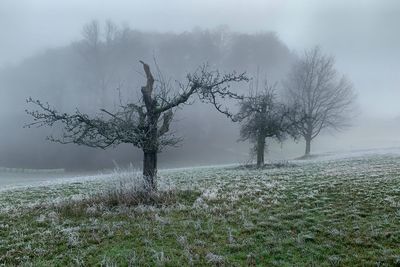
(332,211)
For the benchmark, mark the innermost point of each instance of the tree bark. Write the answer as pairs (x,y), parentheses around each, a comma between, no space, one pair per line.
(150,152)
(308,146)
(150,169)
(260,151)
(308,137)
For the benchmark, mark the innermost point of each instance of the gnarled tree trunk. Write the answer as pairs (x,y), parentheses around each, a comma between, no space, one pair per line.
(150,169)
(308,138)
(150,151)
(260,151)
(308,146)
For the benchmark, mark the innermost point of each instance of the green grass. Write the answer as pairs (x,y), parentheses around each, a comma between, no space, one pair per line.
(332,213)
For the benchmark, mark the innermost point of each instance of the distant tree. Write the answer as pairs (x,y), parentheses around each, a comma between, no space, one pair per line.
(100,51)
(144,124)
(324,98)
(261,117)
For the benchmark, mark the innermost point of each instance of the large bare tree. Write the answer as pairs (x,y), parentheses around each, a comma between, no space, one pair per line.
(144,124)
(262,116)
(324,98)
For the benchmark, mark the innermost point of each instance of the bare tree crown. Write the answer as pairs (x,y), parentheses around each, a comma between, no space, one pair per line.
(144,124)
(262,115)
(324,98)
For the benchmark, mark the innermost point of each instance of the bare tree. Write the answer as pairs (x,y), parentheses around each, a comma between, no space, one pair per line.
(324,98)
(91,33)
(144,124)
(261,117)
(101,56)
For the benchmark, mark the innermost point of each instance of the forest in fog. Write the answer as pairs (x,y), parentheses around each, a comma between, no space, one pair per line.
(102,67)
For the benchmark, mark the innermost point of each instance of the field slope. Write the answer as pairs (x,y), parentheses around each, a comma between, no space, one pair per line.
(332,212)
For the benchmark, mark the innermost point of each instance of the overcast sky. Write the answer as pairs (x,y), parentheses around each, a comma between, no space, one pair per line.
(362,34)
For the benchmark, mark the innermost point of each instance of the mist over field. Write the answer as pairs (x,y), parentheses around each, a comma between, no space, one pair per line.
(43,56)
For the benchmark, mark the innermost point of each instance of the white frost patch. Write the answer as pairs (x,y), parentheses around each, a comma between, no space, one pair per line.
(41,218)
(72,236)
(210,194)
(214,258)
(199,203)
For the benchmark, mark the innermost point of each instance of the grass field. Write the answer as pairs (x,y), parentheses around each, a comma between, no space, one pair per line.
(338,212)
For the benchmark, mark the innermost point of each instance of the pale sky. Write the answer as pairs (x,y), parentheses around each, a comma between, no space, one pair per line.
(363,34)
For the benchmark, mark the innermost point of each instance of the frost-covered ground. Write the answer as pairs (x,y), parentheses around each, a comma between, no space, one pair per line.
(332,210)
(19,180)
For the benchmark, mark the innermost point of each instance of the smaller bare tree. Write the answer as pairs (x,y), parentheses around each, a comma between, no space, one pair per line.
(144,124)
(261,117)
(325,100)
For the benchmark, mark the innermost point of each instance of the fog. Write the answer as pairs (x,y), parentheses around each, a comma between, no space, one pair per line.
(43,54)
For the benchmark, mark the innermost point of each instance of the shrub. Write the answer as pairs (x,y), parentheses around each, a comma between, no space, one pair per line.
(126,188)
